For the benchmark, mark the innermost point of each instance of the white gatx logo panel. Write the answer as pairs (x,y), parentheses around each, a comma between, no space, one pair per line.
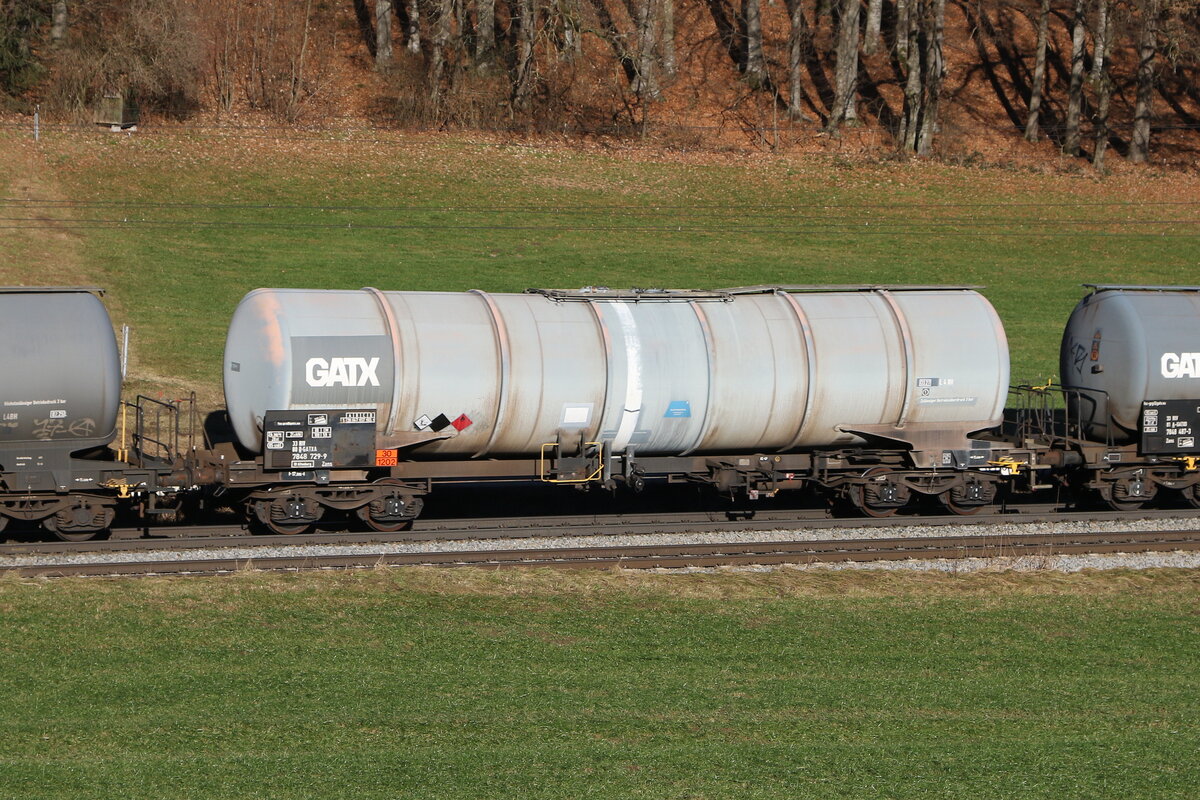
(341,371)
(1181,365)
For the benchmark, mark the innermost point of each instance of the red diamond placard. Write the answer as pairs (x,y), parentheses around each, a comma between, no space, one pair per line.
(463,421)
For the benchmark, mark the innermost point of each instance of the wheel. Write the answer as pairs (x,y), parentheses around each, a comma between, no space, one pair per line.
(79,523)
(1128,494)
(51,524)
(288,515)
(961,510)
(1192,495)
(879,499)
(381,526)
(968,499)
(293,529)
(393,512)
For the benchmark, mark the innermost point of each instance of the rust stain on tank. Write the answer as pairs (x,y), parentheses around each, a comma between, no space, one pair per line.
(269,312)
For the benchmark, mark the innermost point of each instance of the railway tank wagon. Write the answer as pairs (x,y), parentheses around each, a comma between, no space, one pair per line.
(1130,365)
(60,395)
(363,400)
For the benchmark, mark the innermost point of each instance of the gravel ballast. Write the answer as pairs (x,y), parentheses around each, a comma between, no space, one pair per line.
(1063,563)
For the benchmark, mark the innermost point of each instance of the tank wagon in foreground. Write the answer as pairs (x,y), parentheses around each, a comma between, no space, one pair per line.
(364,400)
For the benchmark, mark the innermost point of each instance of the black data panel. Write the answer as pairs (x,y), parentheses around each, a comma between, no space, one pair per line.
(1170,427)
(307,440)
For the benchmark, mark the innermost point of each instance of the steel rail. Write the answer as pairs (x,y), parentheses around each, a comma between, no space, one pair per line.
(525,527)
(662,556)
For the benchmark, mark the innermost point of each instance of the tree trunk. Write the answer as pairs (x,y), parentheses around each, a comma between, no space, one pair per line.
(912,85)
(935,69)
(58,26)
(903,12)
(1100,79)
(616,39)
(1039,74)
(646,84)
(874,19)
(1075,92)
(846,77)
(383,34)
(755,69)
(523,85)
(670,64)
(437,46)
(414,27)
(1139,145)
(485,34)
(799,40)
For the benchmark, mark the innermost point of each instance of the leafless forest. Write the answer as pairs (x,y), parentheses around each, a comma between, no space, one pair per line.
(1090,76)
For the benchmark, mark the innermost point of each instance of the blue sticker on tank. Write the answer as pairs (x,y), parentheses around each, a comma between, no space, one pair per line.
(678,408)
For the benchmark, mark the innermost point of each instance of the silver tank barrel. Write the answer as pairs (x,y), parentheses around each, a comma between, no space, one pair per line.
(667,373)
(61,381)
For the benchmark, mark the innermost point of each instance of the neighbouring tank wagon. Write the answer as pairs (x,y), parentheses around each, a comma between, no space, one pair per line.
(1131,355)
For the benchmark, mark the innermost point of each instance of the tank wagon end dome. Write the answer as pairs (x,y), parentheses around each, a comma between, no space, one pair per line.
(62,370)
(1126,345)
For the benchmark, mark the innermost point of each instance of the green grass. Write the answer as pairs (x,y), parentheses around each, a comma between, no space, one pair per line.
(456,214)
(543,686)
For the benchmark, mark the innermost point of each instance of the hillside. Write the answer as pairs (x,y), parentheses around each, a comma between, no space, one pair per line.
(684,74)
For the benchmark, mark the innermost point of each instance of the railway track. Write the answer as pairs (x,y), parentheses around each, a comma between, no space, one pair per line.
(661,556)
(523,527)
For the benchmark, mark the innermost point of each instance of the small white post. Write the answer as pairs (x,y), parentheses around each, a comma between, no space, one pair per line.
(37,133)
(124,350)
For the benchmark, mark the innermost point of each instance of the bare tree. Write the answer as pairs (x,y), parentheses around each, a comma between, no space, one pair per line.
(225,55)
(645,85)
(1075,90)
(485,34)
(755,66)
(383,34)
(58,25)
(903,20)
(670,64)
(523,81)
(1147,47)
(846,83)
(935,70)
(799,42)
(413,34)
(926,70)
(874,19)
(1039,74)
(442,14)
(1102,36)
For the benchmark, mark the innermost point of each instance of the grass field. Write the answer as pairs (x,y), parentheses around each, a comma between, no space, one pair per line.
(472,685)
(178,227)
(469,685)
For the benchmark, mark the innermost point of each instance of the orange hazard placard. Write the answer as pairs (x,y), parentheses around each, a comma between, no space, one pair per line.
(385,458)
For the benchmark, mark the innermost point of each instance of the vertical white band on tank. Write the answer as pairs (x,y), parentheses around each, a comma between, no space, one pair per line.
(393,333)
(906,340)
(632,410)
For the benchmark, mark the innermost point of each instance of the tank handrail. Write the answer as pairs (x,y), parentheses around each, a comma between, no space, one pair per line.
(632,295)
(1120,287)
(96,290)
(801,288)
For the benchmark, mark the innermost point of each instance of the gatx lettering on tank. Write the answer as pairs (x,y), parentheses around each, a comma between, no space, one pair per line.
(339,371)
(1181,365)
